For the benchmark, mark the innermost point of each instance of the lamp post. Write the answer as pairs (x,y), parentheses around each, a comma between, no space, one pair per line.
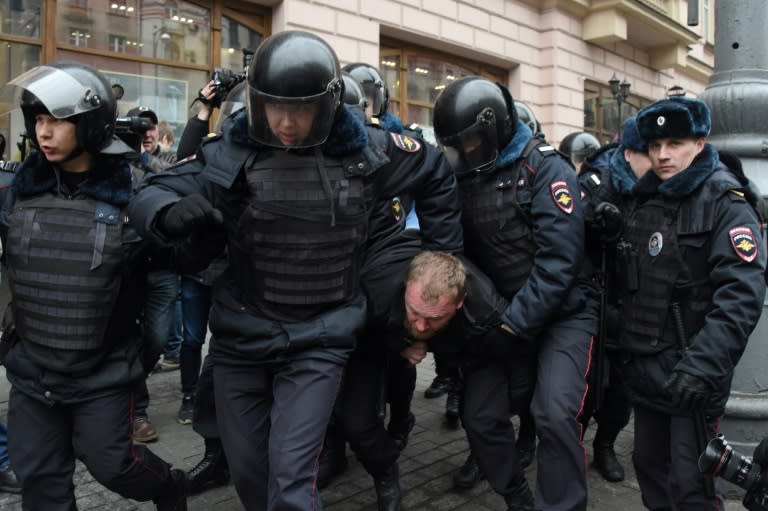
(620,92)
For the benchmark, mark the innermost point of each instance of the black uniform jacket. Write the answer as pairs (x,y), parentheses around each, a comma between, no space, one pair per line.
(393,165)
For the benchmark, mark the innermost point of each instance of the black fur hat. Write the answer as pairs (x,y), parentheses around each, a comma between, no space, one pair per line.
(675,117)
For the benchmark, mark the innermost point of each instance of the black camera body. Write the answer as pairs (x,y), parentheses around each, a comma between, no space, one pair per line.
(224,80)
(131,130)
(720,459)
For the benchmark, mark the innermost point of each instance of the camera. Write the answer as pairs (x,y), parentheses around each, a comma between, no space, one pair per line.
(720,459)
(225,79)
(131,130)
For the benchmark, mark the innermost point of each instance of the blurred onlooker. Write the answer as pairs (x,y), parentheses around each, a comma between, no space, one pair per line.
(165,137)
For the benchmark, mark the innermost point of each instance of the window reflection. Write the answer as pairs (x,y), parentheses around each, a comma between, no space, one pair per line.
(234,38)
(20,18)
(428,77)
(15,58)
(163,29)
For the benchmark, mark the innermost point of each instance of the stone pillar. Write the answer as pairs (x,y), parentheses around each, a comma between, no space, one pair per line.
(738,97)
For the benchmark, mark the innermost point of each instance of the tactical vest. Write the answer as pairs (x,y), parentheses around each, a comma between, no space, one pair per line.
(496,213)
(64,267)
(299,239)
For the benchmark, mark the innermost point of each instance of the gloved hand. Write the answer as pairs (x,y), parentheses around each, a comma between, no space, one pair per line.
(188,214)
(687,392)
(608,221)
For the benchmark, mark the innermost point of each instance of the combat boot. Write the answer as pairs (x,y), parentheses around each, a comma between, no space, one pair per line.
(604,456)
(521,499)
(175,499)
(468,475)
(212,470)
(333,457)
(388,493)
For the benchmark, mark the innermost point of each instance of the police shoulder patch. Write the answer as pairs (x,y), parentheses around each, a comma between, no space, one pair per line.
(743,243)
(562,196)
(405,143)
(397,209)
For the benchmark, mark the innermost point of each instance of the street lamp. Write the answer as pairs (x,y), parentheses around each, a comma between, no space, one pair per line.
(620,92)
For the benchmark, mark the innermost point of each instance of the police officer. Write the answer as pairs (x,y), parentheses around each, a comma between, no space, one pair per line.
(291,183)
(524,228)
(577,147)
(607,179)
(75,269)
(694,293)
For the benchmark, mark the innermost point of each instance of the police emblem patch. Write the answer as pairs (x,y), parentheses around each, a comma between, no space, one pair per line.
(405,143)
(561,194)
(743,243)
(397,209)
(655,244)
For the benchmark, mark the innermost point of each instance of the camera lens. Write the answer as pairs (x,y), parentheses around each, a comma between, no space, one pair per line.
(719,459)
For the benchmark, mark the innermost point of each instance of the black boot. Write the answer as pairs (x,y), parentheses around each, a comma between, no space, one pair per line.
(452,402)
(606,462)
(438,387)
(468,475)
(521,499)
(400,430)
(212,470)
(388,494)
(175,499)
(333,457)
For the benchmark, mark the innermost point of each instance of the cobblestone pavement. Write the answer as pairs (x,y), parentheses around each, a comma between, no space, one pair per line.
(434,452)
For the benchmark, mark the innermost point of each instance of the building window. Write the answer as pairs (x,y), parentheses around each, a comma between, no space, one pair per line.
(79,37)
(601,111)
(20,18)
(416,76)
(117,43)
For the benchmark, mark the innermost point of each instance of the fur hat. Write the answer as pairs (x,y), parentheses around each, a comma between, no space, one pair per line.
(630,137)
(675,117)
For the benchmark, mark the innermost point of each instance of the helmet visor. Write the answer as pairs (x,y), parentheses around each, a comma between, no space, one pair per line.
(374,92)
(291,122)
(474,149)
(61,94)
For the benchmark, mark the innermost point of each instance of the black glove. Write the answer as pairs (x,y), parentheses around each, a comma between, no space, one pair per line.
(608,221)
(687,392)
(189,214)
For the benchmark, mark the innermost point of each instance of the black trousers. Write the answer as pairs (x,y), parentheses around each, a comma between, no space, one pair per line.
(45,440)
(367,371)
(204,411)
(272,419)
(665,457)
(615,409)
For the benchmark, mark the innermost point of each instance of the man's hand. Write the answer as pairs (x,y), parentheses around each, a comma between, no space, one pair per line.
(687,392)
(415,353)
(189,214)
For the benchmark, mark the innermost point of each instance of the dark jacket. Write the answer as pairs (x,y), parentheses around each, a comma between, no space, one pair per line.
(391,168)
(119,364)
(545,188)
(720,285)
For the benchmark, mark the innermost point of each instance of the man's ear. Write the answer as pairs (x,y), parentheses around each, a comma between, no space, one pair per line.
(461,303)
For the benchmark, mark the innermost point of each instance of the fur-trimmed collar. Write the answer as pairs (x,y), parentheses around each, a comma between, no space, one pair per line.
(108,181)
(622,177)
(391,122)
(515,147)
(347,133)
(682,184)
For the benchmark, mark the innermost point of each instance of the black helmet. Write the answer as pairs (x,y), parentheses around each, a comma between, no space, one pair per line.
(74,91)
(525,114)
(294,76)
(373,85)
(354,95)
(474,120)
(234,101)
(578,146)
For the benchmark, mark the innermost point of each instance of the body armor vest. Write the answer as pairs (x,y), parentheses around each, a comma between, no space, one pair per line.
(299,239)
(647,325)
(64,266)
(495,211)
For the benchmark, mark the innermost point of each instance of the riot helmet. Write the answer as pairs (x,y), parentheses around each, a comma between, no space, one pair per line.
(578,146)
(76,92)
(525,114)
(354,95)
(474,119)
(373,85)
(294,89)
(234,101)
